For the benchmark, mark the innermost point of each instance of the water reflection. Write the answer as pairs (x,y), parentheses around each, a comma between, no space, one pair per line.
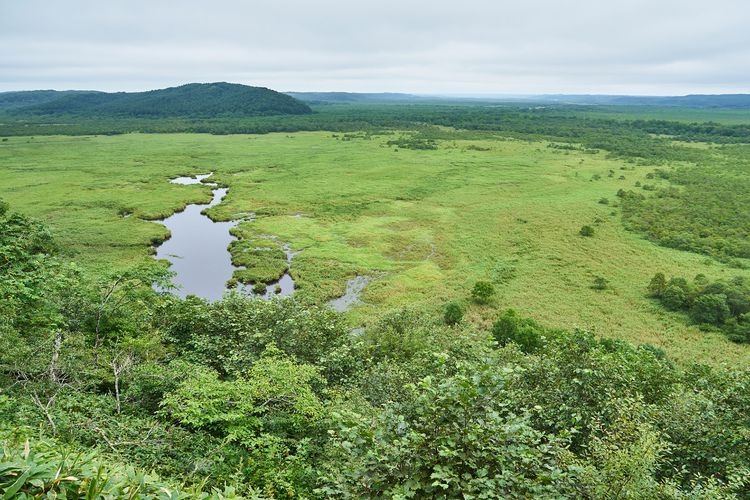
(198,250)
(354,288)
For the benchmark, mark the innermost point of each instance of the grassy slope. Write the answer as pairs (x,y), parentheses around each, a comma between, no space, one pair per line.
(429,223)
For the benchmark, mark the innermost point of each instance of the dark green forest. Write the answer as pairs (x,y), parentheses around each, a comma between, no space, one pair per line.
(194,100)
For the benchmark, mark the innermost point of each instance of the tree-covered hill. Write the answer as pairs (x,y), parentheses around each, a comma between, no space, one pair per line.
(199,100)
(26,98)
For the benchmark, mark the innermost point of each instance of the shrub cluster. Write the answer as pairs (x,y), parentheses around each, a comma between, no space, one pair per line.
(718,304)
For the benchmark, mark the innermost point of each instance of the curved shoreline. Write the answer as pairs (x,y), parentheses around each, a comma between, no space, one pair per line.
(197,248)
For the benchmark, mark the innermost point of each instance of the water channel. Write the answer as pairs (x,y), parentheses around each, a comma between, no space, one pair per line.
(198,251)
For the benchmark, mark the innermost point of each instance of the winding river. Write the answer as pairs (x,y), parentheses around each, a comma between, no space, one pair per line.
(198,247)
(198,251)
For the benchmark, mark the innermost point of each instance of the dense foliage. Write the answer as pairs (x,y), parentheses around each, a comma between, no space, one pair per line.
(273,399)
(712,304)
(703,208)
(193,100)
(34,468)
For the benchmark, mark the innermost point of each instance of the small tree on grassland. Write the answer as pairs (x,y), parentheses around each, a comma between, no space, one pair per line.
(454,313)
(600,283)
(483,292)
(674,297)
(711,309)
(657,285)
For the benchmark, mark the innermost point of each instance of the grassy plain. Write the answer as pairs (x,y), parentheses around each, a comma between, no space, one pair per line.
(426,223)
(672,113)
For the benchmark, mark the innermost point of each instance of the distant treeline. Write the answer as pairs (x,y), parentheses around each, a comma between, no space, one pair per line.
(705,101)
(624,138)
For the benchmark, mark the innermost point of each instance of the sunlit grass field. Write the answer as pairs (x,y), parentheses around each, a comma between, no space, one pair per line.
(426,224)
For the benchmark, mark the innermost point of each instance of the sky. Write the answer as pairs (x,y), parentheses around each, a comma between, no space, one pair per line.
(468,47)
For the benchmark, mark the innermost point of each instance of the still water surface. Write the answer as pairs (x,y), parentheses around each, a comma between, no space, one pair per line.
(199,255)
(198,246)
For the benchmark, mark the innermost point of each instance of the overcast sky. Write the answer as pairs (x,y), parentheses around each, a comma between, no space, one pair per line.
(661,47)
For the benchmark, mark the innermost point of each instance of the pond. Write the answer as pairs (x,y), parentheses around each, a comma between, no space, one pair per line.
(354,288)
(198,250)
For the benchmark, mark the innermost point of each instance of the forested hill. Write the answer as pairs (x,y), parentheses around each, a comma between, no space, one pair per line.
(199,100)
(22,99)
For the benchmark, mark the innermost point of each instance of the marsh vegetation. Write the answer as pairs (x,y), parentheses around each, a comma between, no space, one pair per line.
(494,260)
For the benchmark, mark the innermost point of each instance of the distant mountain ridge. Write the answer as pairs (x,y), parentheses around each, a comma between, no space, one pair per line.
(24,98)
(195,100)
(738,101)
(691,101)
(210,100)
(353,97)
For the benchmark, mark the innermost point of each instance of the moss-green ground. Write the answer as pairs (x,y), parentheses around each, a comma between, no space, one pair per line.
(428,224)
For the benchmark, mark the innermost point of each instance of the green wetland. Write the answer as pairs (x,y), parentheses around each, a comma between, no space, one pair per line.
(470,299)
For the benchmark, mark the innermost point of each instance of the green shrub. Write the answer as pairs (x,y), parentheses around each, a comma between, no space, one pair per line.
(711,309)
(458,439)
(453,313)
(525,333)
(674,298)
(600,283)
(657,285)
(483,292)
(34,468)
(739,329)
(587,231)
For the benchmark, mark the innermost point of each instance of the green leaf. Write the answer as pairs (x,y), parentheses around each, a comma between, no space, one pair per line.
(10,492)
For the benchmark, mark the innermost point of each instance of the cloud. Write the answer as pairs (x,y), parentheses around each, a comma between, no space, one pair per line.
(631,46)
